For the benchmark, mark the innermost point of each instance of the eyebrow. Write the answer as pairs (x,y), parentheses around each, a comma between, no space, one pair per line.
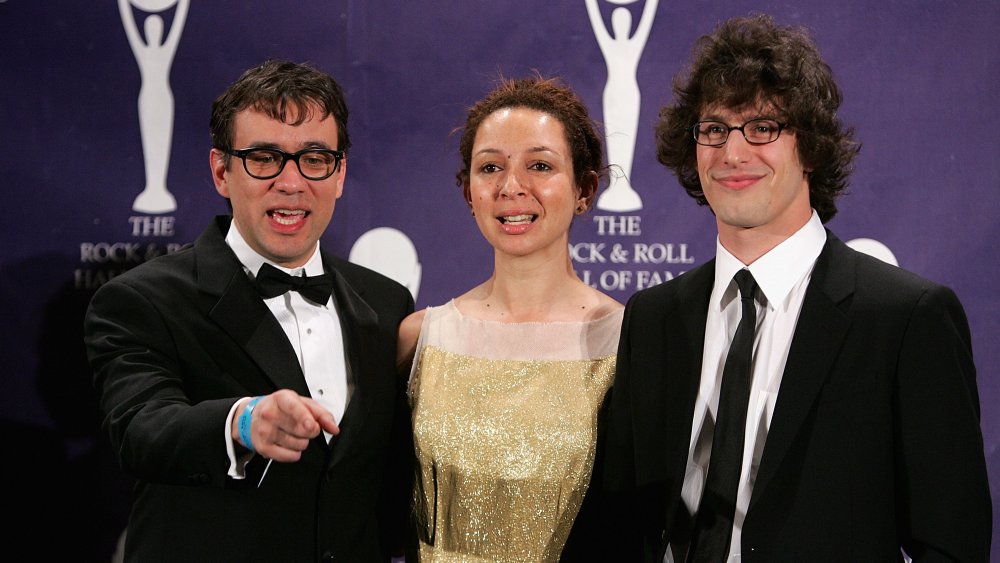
(535,149)
(310,144)
(743,116)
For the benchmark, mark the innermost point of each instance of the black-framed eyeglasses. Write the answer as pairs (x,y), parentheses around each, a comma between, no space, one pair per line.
(267,163)
(755,131)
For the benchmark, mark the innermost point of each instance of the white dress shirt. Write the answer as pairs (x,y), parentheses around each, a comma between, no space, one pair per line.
(783,275)
(314,332)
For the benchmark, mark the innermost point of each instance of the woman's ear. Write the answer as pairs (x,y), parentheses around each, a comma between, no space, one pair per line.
(588,189)
(467,194)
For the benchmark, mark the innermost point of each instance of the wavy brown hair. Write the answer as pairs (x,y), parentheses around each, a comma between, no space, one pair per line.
(753,62)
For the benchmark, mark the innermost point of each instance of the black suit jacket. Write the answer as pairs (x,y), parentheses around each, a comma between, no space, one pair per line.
(175,342)
(874,443)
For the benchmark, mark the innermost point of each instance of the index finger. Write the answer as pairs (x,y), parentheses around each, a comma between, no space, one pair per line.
(322,416)
(296,417)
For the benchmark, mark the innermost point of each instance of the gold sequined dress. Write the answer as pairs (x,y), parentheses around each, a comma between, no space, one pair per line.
(505,427)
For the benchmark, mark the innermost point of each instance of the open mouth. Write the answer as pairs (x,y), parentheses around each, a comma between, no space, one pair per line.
(287,216)
(517,219)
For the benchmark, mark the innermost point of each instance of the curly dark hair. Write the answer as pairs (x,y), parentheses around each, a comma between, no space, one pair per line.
(274,88)
(752,61)
(547,95)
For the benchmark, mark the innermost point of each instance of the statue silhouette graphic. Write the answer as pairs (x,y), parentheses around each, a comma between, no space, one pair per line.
(622,51)
(154,55)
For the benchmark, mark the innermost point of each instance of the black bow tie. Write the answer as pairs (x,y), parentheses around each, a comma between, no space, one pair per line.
(272,282)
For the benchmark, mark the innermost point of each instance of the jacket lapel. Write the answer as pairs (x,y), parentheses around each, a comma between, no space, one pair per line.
(241,313)
(821,328)
(693,294)
(359,325)
(665,377)
(684,366)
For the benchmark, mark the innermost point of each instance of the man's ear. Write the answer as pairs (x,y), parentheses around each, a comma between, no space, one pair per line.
(341,176)
(217,161)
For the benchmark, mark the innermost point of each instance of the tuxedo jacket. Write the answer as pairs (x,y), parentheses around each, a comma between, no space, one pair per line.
(175,342)
(874,443)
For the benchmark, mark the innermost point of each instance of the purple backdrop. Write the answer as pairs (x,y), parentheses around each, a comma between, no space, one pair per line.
(919,80)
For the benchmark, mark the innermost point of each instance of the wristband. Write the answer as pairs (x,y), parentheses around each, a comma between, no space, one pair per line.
(243,423)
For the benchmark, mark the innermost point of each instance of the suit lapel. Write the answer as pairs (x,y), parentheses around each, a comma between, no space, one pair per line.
(241,313)
(666,377)
(821,328)
(694,294)
(687,338)
(359,325)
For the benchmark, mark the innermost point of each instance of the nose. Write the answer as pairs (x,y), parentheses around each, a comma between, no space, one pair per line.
(290,180)
(736,149)
(512,185)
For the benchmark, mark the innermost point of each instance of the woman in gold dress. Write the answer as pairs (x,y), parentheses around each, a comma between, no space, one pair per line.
(506,380)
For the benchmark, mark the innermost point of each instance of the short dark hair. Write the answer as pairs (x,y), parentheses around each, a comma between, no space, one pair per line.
(547,95)
(273,88)
(749,61)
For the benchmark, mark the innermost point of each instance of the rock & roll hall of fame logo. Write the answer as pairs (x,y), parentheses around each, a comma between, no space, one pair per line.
(154,48)
(622,48)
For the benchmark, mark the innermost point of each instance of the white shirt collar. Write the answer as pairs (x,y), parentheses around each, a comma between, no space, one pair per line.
(777,271)
(252,261)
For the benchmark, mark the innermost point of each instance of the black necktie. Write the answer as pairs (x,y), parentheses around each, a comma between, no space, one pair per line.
(714,522)
(272,282)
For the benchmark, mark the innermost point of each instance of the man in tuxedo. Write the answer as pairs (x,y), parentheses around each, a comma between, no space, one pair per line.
(857,435)
(248,382)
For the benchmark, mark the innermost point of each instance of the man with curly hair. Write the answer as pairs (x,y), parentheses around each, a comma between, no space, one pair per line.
(852,431)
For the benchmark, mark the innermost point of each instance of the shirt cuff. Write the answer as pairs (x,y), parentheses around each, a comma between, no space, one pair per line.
(237,465)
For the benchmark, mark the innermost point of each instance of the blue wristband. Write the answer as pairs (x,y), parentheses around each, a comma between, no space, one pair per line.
(244,423)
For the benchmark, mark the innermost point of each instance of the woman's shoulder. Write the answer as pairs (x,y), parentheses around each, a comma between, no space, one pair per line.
(409,328)
(409,334)
(601,305)
(608,301)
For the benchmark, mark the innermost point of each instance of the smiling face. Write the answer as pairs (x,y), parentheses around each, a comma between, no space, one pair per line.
(761,187)
(521,184)
(283,217)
